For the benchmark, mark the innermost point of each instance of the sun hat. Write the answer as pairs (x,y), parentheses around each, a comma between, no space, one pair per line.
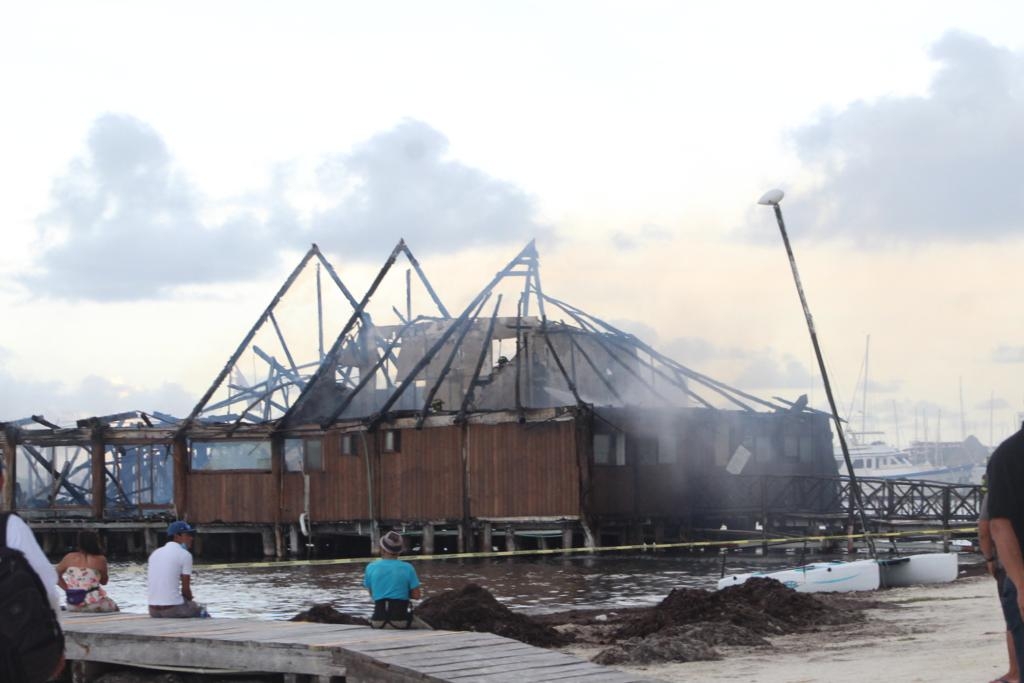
(391,542)
(180,527)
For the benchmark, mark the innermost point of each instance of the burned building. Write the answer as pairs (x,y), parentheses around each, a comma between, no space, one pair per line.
(520,416)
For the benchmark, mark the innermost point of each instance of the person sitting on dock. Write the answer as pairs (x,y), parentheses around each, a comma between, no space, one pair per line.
(392,583)
(170,576)
(83,573)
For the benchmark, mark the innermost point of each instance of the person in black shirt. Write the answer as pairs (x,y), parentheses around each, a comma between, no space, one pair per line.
(1006,522)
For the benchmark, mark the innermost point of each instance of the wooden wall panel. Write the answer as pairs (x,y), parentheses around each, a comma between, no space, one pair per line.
(231,497)
(527,470)
(339,493)
(612,489)
(423,480)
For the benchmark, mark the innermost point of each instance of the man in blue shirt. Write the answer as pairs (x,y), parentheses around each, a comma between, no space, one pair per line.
(392,583)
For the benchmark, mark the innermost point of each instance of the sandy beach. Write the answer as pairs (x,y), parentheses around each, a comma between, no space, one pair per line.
(952,632)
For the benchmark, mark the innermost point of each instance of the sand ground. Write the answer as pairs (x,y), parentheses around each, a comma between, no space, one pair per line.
(950,632)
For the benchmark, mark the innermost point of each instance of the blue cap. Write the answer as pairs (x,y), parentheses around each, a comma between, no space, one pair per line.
(179,527)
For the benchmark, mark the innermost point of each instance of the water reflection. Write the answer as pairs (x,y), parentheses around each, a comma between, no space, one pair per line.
(534,585)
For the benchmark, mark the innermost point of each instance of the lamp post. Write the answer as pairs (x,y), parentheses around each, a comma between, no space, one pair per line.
(773,198)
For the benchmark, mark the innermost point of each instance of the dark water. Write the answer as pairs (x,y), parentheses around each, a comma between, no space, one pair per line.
(534,585)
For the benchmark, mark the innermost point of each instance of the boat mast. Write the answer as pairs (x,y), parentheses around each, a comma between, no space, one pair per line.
(864,395)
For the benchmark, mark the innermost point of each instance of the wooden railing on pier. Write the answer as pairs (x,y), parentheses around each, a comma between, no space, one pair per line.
(885,500)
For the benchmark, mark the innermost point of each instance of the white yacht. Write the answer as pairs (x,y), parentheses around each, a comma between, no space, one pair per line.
(878,460)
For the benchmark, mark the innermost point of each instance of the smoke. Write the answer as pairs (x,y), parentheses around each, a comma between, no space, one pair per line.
(768,371)
(401,183)
(1008,354)
(693,351)
(946,166)
(126,225)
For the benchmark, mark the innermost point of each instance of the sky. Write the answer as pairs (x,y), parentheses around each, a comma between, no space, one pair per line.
(163,166)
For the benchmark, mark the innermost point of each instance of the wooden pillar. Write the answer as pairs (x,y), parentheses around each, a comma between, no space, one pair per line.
(467,510)
(428,539)
(181,465)
(278,542)
(152,538)
(463,541)
(99,490)
(542,542)
(566,537)
(488,537)
(293,539)
(510,539)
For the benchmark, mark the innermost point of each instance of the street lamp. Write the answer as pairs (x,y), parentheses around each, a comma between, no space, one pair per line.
(773,198)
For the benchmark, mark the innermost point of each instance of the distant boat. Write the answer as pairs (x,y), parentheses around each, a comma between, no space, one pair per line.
(878,460)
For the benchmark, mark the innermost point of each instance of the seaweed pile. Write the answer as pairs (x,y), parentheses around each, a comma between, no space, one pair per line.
(473,608)
(323,613)
(689,622)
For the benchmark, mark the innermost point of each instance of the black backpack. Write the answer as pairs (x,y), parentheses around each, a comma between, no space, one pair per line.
(31,642)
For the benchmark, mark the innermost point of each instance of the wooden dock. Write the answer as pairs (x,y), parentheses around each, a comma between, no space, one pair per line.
(323,653)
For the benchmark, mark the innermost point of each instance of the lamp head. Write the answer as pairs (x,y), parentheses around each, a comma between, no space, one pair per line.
(771,197)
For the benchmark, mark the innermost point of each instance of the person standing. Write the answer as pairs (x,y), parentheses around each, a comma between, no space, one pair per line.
(1006,521)
(82,574)
(1011,614)
(169,576)
(392,584)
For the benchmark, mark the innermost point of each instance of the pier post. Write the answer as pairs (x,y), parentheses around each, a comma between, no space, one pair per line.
(427,547)
(293,539)
(150,537)
(542,542)
(566,537)
(99,479)
(510,539)
(278,542)
(463,542)
(487,531)
(268,542)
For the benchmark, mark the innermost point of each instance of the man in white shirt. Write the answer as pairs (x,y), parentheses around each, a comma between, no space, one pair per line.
(170,576)
(20,537)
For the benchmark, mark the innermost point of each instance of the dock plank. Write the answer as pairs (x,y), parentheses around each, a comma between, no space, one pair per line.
(356,652)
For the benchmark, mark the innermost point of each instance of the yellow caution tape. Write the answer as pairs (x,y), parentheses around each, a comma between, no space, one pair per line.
(589,551)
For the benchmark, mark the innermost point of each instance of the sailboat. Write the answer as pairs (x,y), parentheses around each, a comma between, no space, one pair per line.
(876,459)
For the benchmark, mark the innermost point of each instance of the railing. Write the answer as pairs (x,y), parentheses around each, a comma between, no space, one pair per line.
(883,499)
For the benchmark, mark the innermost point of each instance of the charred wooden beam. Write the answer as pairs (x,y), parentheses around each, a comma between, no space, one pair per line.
(248,338)
(426,283)
(467,324)
(467,400)
(331,359)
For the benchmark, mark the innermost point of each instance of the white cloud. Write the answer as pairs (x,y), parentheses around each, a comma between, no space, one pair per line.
(92,396)
(642,236)
(125,224)
(948,165)
(401,183)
